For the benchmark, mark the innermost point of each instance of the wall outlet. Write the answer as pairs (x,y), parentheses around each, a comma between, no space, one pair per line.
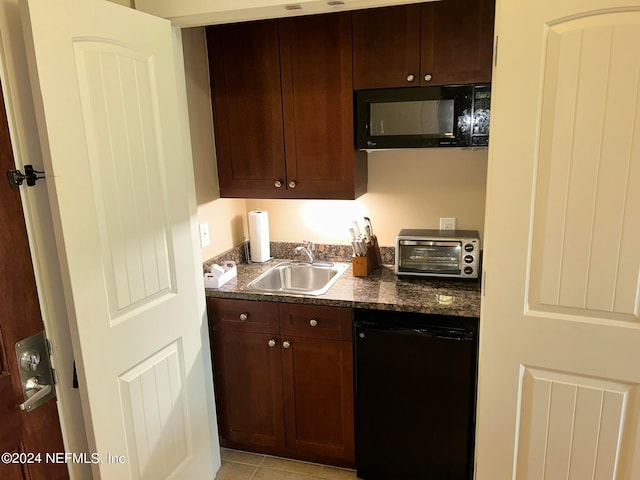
(447,223)
(205,240)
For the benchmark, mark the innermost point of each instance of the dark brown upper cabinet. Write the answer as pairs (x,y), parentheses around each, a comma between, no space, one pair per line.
(435,43)
(247,105)
(283,108)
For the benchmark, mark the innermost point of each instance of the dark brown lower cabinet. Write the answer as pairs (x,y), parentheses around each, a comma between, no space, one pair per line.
(284,389)
(317,380)
(248,389)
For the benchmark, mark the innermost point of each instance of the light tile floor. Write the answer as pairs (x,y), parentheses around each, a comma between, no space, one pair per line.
(237,465)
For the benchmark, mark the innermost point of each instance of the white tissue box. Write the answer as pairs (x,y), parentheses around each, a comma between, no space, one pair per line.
(215,279)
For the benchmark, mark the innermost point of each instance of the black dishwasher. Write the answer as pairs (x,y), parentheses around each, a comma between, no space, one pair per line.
(416,378)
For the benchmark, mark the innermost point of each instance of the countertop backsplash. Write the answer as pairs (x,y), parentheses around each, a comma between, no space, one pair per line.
(287,250)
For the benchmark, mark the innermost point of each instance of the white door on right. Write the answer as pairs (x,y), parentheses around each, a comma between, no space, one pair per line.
(559,379)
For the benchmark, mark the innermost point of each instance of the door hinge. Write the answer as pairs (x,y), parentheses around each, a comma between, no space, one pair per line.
(16,177)
(483,281)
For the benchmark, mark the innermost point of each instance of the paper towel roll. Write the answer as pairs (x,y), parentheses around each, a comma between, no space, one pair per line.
(260,251)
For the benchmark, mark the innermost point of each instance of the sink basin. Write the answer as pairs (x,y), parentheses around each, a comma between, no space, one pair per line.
(298,278)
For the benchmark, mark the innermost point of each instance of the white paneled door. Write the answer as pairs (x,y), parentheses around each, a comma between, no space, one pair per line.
(559,388)
(112,123)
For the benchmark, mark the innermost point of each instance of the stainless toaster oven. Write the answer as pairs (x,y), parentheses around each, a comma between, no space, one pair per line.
(438,253)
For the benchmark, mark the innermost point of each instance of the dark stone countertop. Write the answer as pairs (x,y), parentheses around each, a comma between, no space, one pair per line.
(381,290)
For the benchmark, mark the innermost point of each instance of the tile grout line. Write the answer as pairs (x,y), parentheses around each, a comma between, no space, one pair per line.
(255,472)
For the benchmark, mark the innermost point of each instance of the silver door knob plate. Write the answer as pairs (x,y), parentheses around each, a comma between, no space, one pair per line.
(36,376)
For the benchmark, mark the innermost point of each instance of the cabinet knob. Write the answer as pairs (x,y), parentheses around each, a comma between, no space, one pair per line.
(244,316)
(411,77)
(286,344)
(292,184)
(278,184)
(428,77)
(313,322)
(272,343)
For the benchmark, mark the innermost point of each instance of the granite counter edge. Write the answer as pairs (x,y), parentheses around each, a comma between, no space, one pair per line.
(341,294)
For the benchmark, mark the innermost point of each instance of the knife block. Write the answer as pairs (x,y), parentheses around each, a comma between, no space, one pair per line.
(363,266)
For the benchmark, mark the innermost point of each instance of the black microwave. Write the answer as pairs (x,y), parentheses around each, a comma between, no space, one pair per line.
(418,117)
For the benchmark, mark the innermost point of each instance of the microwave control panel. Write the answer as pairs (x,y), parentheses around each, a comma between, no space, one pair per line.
(481,116)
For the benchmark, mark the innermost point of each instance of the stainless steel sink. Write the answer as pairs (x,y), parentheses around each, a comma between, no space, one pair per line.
(298,278)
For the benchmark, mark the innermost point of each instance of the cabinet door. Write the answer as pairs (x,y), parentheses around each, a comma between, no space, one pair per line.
(247,107)
(457,41)
(318,389)
(317,94)
(386,47)
(248,381)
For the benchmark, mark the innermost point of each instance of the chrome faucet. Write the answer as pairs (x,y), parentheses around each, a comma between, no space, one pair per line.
(307,249)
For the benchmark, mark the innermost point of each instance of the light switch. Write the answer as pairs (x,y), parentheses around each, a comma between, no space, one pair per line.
(205,240)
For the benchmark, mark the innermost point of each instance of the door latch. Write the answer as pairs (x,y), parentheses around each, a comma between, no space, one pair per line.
(16,177)
(36,375)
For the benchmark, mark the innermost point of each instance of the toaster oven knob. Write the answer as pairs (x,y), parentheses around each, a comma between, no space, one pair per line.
(468,247)
(468,270)
(468,258)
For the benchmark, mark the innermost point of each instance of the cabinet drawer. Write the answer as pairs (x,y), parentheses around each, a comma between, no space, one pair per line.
(315,321)
(243,315)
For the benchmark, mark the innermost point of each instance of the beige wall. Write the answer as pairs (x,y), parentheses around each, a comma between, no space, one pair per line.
(226,217)
(406,189)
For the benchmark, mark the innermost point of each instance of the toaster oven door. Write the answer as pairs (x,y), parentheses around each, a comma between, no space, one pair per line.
(430,257)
